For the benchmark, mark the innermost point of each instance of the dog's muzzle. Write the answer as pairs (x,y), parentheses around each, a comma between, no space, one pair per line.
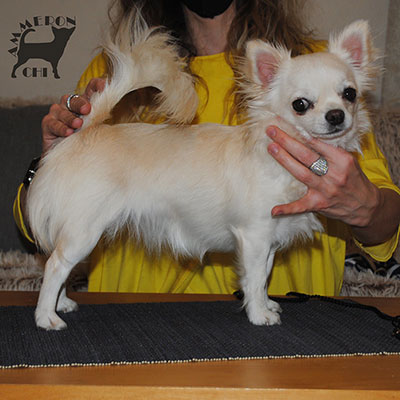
(335,117)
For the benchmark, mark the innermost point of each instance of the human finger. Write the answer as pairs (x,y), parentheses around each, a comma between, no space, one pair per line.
(75,104)
(298,150)
(61,114)
(56,128)
(94,85)
(328,151)
(299,206)
(59,122)
(300,171)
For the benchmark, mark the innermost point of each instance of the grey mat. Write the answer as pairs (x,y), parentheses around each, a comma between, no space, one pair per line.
(192,331)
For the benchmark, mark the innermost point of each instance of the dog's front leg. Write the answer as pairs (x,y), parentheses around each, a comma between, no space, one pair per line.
(65,304)
(54,65)
(257,259)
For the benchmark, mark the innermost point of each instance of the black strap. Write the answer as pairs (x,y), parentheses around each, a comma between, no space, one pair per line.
(33,166)
(301,297)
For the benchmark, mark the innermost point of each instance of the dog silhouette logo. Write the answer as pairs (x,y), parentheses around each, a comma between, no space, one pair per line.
(50,51)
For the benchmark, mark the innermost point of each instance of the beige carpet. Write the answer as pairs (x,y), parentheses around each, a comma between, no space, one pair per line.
(20,271)
(369,284)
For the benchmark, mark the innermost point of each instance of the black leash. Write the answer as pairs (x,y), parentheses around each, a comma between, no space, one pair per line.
(302,298)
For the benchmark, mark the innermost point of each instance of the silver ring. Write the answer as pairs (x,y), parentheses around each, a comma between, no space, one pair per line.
(319,167)
(70,97)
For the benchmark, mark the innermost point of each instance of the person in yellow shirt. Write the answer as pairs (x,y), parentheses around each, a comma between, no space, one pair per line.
(355,197)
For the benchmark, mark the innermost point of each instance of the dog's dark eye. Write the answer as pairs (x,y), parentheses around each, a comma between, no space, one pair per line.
(301,105)
(350,94)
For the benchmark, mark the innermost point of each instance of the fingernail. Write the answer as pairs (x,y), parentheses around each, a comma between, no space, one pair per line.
(76,123)
(271,132)
(273,149)
(276,213)
(85,109)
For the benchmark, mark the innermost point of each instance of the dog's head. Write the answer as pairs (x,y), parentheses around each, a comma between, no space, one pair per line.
(319,93)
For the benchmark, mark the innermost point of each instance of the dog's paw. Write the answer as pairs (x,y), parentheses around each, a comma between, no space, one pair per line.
(263,316)
(65,305)
(273,306)
(49,321)
(266,318)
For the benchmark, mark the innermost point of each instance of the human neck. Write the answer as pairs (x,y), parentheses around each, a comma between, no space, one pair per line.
(209,35)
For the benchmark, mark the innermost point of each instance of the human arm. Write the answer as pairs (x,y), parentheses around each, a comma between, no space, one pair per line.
(345,193)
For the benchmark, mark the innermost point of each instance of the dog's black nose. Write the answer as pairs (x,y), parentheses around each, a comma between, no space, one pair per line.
(335,117)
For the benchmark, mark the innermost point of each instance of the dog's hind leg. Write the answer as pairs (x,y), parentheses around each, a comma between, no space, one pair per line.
(57,270)
(54,65)
(257,258)
(16,66)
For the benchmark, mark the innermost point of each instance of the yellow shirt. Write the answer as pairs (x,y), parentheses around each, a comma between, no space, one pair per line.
(315,267)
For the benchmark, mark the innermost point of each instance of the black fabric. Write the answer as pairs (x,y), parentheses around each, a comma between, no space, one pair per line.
(20,142)
(207,8)
(168,332)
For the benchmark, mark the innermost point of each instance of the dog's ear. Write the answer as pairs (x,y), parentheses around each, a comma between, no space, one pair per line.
(264,61)
(354,45)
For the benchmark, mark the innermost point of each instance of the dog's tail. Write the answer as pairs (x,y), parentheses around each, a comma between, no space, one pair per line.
(141,56)
(23,35)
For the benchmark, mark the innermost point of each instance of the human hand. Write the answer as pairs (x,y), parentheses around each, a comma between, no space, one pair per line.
(344,193)
(61,122)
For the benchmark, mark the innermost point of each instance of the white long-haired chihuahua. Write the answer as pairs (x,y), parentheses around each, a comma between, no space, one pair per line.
(194,188)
